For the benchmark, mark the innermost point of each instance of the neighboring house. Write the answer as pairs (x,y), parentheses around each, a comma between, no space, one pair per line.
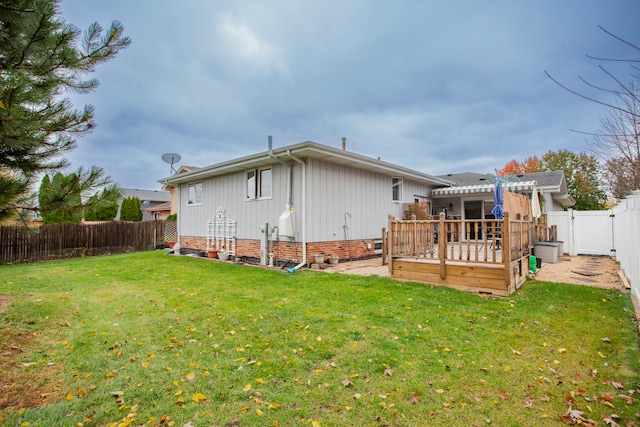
(159,211)
(296,201)
(148,199)
(471,196)
(173,207)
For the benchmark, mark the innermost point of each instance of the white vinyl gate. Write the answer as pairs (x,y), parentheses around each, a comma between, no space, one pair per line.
(585,232)
(593,232)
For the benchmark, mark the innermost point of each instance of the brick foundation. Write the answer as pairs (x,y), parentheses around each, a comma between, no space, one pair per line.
(286,251)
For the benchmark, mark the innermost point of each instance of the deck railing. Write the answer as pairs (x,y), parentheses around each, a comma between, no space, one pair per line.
(482,255)
(478,240)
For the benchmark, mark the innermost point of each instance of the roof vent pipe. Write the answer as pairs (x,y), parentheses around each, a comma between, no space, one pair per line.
(344,143)
(270,145)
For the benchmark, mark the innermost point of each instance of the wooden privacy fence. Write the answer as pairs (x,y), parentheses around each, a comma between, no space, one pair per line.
(480,255)
(20,244)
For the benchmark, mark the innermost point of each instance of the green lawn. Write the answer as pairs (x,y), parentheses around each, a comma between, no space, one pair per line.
(150,339)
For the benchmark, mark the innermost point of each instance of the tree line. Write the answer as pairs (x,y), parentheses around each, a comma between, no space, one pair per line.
(581,171)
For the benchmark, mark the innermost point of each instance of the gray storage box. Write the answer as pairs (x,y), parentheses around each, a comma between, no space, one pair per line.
(547,251)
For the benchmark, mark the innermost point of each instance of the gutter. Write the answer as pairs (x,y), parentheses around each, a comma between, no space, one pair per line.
(304,213)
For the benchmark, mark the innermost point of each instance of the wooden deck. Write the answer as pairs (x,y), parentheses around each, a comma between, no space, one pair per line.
(490,256)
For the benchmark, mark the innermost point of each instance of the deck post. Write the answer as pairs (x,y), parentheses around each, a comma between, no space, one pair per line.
(390,244)
(506,248)
(442,245)
(414,249)
(384,245)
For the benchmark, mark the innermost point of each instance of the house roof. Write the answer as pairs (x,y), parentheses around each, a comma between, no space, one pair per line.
(306,149)
(550,179)
(150,195)
(166,206)
(552,182)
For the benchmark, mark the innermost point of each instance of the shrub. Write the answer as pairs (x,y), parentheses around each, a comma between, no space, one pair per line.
(131,209)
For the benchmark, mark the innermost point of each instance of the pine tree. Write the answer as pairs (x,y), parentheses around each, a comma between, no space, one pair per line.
(105,211)
(41,56)
(56,208)
(131,209)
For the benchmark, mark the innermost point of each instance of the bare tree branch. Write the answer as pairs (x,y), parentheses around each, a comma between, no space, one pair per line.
(606,104)
(619,38)
(611,59)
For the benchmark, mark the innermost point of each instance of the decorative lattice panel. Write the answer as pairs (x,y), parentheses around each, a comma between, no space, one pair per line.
(221,232)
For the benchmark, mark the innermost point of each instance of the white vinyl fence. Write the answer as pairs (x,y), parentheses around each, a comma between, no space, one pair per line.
(585,232)
(615,232)
(627,239)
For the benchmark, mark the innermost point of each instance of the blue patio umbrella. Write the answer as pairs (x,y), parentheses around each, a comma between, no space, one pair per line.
(498,209)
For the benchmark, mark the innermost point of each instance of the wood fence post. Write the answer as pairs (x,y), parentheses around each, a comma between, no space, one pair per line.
(442,245)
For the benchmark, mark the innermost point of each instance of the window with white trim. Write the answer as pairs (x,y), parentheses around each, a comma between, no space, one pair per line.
(396,189)
(259,184)
(194,194)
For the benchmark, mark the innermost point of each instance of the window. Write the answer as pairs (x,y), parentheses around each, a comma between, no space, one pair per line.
(265,183)
(251,185)
(259,184)
(195,194)
(396,189)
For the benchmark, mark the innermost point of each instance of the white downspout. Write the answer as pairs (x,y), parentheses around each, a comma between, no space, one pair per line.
(179,212)
(304,213)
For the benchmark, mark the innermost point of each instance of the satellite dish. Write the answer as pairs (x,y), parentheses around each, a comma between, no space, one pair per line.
(171,158)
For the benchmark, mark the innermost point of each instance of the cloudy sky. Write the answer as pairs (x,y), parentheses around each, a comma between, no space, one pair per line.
(435,86)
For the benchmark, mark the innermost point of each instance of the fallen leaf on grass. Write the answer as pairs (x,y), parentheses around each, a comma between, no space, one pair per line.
(628,399)
(198,397)
(609,404)
(415,398)
(347,383)
(388,372)
(606,396)
(610,422)
(273,405)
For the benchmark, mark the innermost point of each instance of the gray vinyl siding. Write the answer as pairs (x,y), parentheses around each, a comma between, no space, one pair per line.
(332,191)
(229,192)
